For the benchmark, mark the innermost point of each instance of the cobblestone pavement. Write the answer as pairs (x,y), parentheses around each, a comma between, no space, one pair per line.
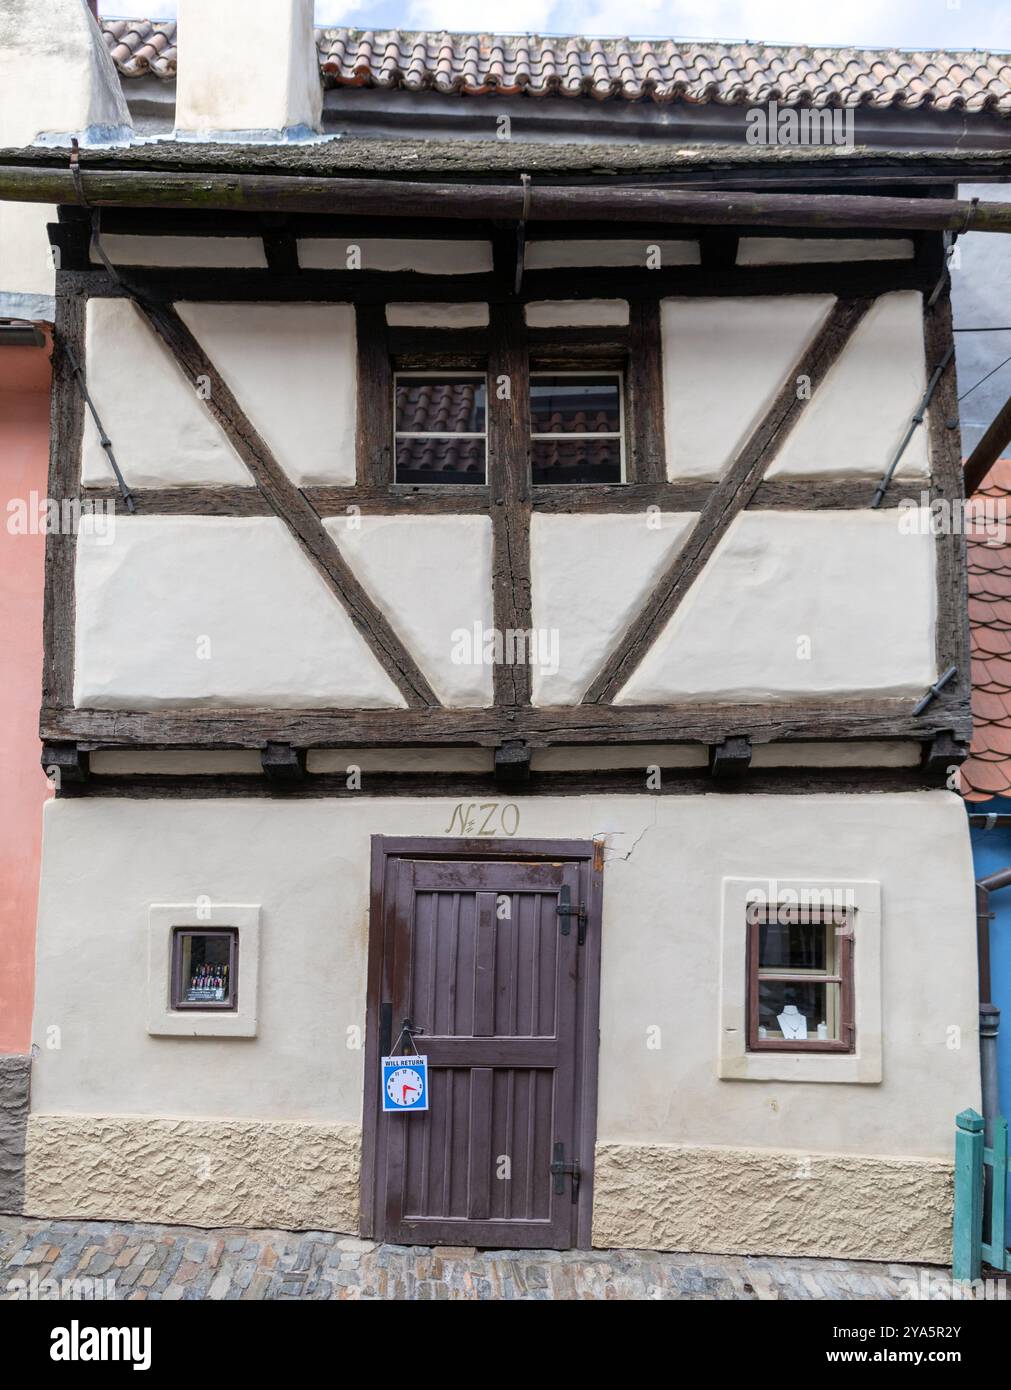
(128,1261)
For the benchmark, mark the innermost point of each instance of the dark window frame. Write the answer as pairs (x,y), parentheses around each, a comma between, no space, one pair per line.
(841,921)
(176,986)
(596,351)
(622,434)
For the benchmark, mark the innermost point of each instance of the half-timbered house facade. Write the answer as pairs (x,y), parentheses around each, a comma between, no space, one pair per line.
(505,622)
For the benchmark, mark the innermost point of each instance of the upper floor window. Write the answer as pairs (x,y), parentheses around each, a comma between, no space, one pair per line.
(577,427)
(440,427)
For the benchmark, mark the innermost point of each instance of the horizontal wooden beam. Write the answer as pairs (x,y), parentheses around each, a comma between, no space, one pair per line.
(795,495)
(604,200)
(541,727)
(782,781)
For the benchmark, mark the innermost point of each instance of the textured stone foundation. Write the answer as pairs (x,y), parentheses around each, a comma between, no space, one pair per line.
(15,1086)
(193,1172)
(772,1202)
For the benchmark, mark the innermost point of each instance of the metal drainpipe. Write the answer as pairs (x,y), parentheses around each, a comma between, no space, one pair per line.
(989,1014)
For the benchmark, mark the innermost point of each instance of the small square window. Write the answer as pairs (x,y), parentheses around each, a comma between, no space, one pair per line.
(800,979)
(205,969)
(441,424)
(577,427)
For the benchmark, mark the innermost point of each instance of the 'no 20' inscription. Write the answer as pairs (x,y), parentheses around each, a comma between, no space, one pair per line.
(487,818)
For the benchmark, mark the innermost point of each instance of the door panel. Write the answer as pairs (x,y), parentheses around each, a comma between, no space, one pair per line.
(476,954)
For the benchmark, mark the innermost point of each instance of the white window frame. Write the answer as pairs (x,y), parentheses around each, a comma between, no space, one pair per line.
(588,434)
(440,434)
(165,1021)
(734,1061)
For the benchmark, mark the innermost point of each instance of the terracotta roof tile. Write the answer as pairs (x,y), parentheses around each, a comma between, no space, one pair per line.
(658,70)
(987,771)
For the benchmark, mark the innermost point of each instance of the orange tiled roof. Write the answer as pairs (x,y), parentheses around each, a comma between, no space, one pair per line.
(987,771)
(657,70)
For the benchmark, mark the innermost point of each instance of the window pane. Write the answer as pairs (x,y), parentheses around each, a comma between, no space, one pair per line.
(796,946)
(798,1009)
(205,969)
(575,404)
(446,405)
(576,460)
(431,459)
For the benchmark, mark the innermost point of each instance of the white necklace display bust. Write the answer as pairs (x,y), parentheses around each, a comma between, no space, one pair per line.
(792,1022)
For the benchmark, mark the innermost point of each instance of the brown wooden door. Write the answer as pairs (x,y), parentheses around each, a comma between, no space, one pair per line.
(476,954)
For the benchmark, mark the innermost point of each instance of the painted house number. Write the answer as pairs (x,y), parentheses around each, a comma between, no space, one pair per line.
(487,818)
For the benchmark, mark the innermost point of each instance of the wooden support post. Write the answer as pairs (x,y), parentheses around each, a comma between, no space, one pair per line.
(995,1249)
(512,761)
(65,762)
(967,1235)
(730,758)
(283,763)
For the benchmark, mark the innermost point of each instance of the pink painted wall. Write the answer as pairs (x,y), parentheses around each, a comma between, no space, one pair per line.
(24,466)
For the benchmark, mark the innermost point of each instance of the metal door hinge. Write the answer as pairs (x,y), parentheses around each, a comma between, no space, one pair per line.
(559,1169)
(565,910)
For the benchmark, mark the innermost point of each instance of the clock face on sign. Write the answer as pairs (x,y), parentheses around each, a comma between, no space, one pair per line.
(404,1086)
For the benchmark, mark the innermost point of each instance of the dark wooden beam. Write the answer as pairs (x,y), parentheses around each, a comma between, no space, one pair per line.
(508,475)
(730,758)
(292,507)
(946,487)
(282,763)
(645,430)
(732,494)
(784,781)
(512,762)
(105,187)
(65,763)
(818,720)
(944,751)
(989,449)
(65,436)
(375,398)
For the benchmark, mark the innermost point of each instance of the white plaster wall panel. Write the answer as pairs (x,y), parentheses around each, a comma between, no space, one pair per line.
(577,313)
(724,361)
(293,369)
(633,755)
(863,753)
(307,864)
(401,760)
(857,418)
(786,250)
(861,592)
(396,253)
(162,433)
(213,252)
(416,315)
(26,266)
(589,576)
(557,255)
(431,576)
(276,635)
(271,38)
(119,761)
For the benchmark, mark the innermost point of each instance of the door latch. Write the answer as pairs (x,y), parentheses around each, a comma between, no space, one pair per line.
(559,1168)
(566,909)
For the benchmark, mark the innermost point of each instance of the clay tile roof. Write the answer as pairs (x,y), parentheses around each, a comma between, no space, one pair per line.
(658,70)
(138,46)
(987,771)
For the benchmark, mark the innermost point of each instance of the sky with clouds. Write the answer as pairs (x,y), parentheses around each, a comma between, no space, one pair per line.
(863,23)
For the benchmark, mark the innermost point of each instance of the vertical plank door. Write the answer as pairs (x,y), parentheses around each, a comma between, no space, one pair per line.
(478,956)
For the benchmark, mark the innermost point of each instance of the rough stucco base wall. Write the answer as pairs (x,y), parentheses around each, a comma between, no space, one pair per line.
(772,1202)
(15,1086)
(194,1172)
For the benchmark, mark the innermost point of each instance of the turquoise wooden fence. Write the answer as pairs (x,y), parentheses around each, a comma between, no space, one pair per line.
(972,1243)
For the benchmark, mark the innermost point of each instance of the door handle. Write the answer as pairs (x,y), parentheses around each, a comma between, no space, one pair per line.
(385,1027)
